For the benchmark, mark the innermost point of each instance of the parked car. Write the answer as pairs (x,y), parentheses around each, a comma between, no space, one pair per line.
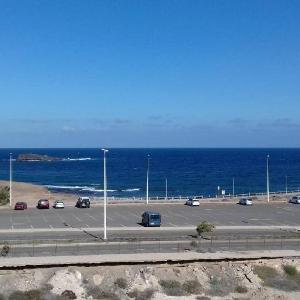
(151,219)
(246,201)
(295,200)
(20,206)
(83,202)
(192,202)
(43,204)
(58,204)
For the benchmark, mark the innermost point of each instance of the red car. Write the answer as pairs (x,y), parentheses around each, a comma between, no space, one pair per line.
(43,203)
(21,206)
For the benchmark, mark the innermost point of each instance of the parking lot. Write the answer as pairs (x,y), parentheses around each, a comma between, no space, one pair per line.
(173,215)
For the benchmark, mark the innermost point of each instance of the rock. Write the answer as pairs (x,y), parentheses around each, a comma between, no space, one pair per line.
(36,157)
(97,279)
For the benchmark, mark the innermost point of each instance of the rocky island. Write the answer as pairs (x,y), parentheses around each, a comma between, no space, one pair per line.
(36,157)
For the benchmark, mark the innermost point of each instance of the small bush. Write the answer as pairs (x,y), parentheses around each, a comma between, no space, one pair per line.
(241,289)
(121,283)
(275,280)
(194,244)
(265,272)
(222,286)
(68,295)
(4,195)
(146,294)
(27,295)
(172,287)
(192,287)
(97,293)
(16,295)
(290,270)
(205,227)
(5,250)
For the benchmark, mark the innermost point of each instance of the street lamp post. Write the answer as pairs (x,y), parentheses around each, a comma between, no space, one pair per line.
(104,191)
(10,179)
(268,180)
(166,188)
(286,184)
(233,186)
(147,184)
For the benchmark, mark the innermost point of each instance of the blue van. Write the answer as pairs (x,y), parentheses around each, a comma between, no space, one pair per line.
(150,218)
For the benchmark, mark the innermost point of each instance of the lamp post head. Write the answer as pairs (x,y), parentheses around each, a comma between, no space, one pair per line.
(104,150)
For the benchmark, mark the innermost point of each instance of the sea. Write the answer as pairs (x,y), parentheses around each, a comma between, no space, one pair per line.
(179,172)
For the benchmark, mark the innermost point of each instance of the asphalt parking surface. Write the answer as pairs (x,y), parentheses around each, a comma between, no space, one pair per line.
(173,215)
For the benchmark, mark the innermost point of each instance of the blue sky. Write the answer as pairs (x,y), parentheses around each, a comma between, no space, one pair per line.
(149,73)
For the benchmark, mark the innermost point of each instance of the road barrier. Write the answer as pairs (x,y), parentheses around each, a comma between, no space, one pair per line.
(100,247)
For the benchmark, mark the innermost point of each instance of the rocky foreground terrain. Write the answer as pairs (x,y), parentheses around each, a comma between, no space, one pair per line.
(259,279)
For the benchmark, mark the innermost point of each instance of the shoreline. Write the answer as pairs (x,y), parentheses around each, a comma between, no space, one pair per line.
(31,193)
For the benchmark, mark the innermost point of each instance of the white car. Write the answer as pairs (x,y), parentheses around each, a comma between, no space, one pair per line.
(59,204)
(192,202)
(295,200)
(245,201)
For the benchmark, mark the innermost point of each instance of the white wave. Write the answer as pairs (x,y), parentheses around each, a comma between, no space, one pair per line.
(66,187)
(96,190)
(131,190)
(77,159)
(80,188)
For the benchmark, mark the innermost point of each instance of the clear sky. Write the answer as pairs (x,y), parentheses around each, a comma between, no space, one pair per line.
(150,73)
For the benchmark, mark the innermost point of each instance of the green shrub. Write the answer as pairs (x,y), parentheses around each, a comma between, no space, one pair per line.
(68,295)
(146,294)
(222,286)
(97,293)
(241,289)
(265,272)
(5,249)
(273,279)
(4,195)
(192,287)
(290,270)
(172,287)
(194,244)
(121,283)
(27,295)
(205,227)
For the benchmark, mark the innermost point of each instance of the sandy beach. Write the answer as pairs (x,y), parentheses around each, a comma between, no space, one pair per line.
(31,193)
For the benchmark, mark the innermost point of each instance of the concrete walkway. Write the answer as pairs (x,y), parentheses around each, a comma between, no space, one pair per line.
(140,228)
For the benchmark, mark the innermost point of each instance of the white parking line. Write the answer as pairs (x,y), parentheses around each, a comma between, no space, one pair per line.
(51,226)
(92,217)
(173,224)
(31,227)
(79,220)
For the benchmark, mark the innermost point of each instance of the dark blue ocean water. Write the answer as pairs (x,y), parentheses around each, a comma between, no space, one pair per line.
(189,171)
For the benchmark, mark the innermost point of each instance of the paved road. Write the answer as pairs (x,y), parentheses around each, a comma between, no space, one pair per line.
(173,215)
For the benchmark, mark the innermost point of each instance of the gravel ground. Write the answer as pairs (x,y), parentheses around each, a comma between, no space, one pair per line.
(204,281)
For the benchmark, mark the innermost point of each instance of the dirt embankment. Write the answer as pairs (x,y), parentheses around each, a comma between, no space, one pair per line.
(261,279)
(31,193)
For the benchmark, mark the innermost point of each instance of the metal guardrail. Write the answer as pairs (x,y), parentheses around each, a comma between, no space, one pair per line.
(185,198)
(211,244)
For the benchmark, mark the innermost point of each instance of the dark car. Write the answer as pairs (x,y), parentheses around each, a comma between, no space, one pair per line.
(151,219)
(83,202)
(43,204)
(20,206)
